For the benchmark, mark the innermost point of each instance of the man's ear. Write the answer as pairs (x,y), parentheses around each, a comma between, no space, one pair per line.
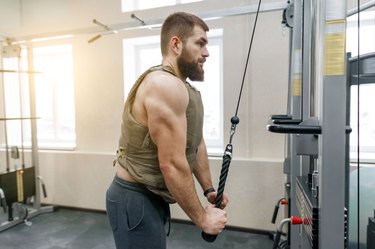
(176,45)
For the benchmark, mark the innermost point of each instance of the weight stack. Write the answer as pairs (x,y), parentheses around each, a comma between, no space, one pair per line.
(18,185)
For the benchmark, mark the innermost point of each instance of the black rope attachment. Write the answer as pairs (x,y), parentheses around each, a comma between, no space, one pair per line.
(227,157)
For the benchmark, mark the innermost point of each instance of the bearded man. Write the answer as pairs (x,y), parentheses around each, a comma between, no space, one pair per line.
(161,145)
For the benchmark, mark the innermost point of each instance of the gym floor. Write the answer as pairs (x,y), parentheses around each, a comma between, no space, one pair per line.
(76,229)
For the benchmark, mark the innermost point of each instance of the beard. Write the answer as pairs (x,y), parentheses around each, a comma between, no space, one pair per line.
(190,68)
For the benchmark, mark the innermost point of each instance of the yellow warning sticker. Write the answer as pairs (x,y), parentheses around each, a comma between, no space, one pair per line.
(334,51)
(19,178)
(297,86)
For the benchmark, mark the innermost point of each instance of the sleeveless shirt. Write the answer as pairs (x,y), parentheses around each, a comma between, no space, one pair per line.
(138,154)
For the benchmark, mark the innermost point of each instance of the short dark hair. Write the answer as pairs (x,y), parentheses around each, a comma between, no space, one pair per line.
(179,24)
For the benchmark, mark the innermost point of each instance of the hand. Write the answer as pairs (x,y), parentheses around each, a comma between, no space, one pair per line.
(215,220)
(211,197)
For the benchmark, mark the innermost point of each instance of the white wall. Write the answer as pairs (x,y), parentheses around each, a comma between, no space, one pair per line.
(79,178)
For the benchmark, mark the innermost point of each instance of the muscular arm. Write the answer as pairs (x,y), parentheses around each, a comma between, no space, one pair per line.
(165,103)
(203,175)
(201,169)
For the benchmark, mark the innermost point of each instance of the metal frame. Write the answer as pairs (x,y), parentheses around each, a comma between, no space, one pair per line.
(36,208)
(317,129)
(332,113)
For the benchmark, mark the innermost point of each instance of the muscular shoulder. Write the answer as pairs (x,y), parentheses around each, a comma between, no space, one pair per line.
(160,94)
(165,87)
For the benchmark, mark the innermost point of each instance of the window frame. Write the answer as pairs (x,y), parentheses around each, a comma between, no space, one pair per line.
(21,133)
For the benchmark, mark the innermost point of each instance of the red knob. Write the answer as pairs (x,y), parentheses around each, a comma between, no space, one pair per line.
(284,202)
(296,220)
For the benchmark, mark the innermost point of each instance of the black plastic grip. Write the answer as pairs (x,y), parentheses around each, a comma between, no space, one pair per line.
(208,237)
(44,190)
(275,211)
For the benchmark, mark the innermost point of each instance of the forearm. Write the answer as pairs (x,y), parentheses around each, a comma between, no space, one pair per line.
(201,169)
(180,184)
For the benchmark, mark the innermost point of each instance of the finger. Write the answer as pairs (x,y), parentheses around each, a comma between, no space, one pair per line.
(224,204)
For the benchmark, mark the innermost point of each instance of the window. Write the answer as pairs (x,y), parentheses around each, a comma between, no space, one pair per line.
(16,101)
(142,53)
(130,5)
(367,122)
(366,92)
(54,94)
(367,33)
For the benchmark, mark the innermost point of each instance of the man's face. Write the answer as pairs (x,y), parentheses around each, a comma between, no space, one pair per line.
(193,55)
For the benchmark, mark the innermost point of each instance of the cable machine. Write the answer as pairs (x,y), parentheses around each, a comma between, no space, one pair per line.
(20,187)
(316,127)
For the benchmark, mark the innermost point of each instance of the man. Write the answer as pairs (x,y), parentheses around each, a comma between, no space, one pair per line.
(161,144)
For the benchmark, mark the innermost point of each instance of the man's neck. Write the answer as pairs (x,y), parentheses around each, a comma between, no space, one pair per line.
(174,68)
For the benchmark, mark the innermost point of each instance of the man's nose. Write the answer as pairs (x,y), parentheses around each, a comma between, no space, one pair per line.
(205,52)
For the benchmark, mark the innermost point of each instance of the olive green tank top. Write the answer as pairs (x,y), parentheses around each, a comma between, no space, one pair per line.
(138,154)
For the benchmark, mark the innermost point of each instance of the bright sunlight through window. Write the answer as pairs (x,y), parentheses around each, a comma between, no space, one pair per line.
(54,94)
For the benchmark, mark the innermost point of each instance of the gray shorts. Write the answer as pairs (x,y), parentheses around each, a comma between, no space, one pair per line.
(136,215)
